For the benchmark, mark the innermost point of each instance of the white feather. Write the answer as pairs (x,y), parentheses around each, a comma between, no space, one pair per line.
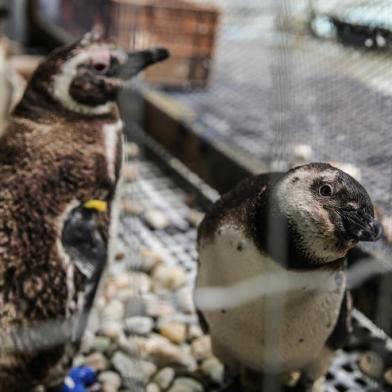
(62,83)
(302,316)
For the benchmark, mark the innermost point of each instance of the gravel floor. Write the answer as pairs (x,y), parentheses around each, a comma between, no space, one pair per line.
(143,333)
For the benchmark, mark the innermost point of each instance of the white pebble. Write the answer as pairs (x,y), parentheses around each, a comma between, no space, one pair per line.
(194,332)
(97,361)
(302,152)
(163,353)
(201,347)
(195,217)
(131,207)
(111,329)
(184,299)
(130,171)
(165,377)
(186,384)
(114,311)
(140,282)
(131,150)
(110,380)
(214,369)
(170,277)
(152,387)
(150,259)
(175,332)
(156,219)
(130,368)
(139,325)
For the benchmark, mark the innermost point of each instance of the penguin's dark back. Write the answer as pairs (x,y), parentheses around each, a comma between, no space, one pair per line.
(45,166)
(243,195)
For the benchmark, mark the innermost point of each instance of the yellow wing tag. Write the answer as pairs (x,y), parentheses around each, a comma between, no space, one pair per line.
(98,205)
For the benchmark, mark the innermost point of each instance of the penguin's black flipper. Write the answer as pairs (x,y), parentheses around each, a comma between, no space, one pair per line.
(85,243)
(343,328)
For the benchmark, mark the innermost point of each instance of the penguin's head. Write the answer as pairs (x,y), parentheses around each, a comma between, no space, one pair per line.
(328,211)
(86,77)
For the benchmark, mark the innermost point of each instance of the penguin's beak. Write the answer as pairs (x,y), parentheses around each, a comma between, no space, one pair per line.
(138,61)
(360,226)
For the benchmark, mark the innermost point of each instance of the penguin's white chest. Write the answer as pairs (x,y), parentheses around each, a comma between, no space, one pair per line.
(111,135)
(283,328)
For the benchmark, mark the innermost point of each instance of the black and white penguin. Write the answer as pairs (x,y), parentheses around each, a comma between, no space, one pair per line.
(271,286)
(60,164)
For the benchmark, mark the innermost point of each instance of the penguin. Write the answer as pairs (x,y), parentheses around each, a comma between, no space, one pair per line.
(271,281)
(60,167)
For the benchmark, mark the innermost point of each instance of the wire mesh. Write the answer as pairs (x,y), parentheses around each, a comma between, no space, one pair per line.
(275,87)
(271,91)
(158,188)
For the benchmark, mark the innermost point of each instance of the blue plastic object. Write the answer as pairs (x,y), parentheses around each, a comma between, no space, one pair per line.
(78,379)
(83,374)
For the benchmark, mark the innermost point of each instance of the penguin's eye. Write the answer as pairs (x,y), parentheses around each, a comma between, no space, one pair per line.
(326,190)
(100,67)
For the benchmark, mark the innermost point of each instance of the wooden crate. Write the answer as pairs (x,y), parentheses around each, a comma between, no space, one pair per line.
(186,28)
(78,17)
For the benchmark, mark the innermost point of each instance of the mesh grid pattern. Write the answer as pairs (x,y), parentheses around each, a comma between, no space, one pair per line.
(155,189)
(272,89)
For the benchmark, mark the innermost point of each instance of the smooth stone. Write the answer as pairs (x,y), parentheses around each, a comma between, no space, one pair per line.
(170,277)
(109,291)
(139,325)
(214,369)
(156,219)
(184,300)
(175,332)
(133,346)
(87,341)
(150,259)
(110,379)
(100,303)
(134,307)
(302,152)
(140,282)
(165,377)
(114,311)
(194,332)
(186,384)
(131,150)
(133,369)
(131,207)
(122,280)
(201,348)
(371,364)
(105,388)
(125,294)
(152,387)
(130,171)
(111,329)
(195,217)
(101,344)
(388,377)
(79,360)
(97,361)
(155,307)
(164,353)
